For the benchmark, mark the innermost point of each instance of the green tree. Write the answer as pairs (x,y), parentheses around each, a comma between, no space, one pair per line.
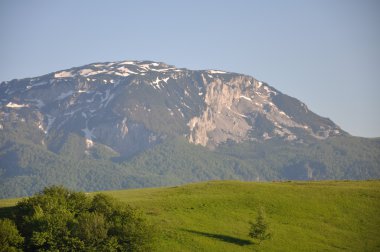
(260,230)
(131,230)
(45,219)
(127,227)
(104,204)
(10,239)
(58,219)
(91,229)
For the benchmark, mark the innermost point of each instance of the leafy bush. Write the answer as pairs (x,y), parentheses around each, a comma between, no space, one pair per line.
(58,219)
(10,239)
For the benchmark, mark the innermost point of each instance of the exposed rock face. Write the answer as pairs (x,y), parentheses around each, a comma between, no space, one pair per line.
(243,108)
(221,120)
(130,106)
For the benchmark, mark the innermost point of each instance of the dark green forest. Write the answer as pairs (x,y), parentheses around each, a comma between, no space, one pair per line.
(26,167)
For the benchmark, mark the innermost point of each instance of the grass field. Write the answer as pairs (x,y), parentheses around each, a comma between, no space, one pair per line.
(303,216)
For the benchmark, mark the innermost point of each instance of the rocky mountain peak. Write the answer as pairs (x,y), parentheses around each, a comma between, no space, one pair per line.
(129,106)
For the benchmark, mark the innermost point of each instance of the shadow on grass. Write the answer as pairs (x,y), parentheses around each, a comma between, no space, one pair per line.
(225,238)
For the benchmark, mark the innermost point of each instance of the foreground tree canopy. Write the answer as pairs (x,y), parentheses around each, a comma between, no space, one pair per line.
(61,220)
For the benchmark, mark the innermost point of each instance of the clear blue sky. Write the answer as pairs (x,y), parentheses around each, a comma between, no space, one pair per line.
(324,52)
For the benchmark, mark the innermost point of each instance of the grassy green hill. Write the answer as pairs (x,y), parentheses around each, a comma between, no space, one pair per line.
(303,216)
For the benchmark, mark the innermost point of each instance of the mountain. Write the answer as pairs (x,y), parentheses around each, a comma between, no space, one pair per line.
(142,123)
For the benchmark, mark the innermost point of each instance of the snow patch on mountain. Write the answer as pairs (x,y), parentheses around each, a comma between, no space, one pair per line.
(86,72)
(145,67)
(83,91)
(163,70)
(16,106)
(99,65)
(156,83)
(124,71)
(127,63)
(63,74)
(88,134)
(268,90)
(216,72)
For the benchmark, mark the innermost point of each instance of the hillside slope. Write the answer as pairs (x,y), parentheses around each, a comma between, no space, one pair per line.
(176,161)
(303,216)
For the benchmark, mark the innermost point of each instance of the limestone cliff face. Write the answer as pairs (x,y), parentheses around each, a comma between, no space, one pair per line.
(242,108)
(221,120)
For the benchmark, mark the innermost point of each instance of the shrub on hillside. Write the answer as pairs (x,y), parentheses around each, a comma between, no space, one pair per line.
(58,219)
(260,229)
(10,239)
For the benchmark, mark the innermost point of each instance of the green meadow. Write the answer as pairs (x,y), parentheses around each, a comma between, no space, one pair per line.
(302,216)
